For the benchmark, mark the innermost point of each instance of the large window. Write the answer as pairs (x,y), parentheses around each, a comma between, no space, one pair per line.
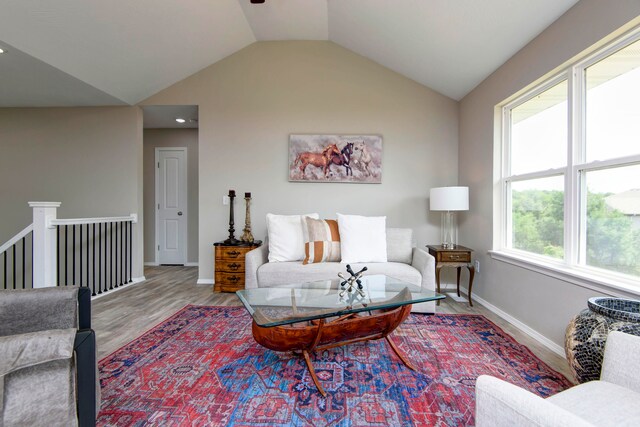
(570,176)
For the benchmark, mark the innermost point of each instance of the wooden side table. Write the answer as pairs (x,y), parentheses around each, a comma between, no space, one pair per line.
(229,265)
(457,257)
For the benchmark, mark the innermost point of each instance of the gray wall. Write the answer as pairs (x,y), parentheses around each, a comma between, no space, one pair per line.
(170,138)
(542,302)
(251,101)
(86,158)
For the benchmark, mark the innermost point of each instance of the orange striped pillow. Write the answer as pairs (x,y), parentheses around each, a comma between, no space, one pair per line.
(321,240)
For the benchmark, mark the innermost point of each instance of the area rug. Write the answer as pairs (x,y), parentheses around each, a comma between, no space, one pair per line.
(201,367)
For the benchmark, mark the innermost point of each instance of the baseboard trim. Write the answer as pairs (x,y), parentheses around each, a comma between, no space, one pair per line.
(134,281)
(205,282)
(156,264)
(522,326)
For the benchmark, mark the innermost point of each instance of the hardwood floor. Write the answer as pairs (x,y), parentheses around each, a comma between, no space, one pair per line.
(125,314)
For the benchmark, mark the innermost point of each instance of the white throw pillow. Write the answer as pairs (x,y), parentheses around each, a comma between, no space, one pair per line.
(285,237)
(363,238)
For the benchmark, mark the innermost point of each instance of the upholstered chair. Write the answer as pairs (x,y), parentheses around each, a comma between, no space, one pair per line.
(614,400)
(47,358)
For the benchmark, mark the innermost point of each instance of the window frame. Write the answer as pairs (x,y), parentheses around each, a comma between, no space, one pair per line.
(572,267)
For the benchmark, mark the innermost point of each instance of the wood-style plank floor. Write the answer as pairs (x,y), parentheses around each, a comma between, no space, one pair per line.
(125,314)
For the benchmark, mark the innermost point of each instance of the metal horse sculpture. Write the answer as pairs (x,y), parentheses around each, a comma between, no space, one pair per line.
(344,158)
(321,160)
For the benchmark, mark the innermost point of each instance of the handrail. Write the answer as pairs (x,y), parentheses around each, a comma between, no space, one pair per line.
(76,221)
(15,239)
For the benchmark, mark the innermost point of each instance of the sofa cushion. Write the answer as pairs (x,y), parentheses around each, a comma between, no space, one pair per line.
(601,403)
(362,238)
(400,245)
(285,237)
(283,273)
(321,240)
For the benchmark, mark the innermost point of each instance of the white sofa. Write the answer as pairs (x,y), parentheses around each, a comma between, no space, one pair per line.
(614,400)
(404,262)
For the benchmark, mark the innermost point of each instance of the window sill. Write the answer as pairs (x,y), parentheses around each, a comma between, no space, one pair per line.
(590,279)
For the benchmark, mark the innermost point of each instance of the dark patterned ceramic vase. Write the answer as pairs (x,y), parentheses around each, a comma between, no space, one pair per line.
(587,333)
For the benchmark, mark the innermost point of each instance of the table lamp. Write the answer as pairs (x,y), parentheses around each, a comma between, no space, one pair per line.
(448,200)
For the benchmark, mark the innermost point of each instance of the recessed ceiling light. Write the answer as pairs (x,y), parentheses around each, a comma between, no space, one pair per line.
(179,120)
(1,50)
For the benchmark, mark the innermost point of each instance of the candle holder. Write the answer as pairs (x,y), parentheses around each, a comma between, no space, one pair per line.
(247,237)
(231,240)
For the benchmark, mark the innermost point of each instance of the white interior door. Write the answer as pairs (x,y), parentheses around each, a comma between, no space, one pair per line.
(171,201)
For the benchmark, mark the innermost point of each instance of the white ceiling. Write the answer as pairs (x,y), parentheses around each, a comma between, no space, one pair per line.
(164,116)
(129,50)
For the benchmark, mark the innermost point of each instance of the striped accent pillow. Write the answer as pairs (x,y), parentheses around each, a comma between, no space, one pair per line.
(321,240)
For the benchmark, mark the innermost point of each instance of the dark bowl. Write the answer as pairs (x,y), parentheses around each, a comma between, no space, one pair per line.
(627,310)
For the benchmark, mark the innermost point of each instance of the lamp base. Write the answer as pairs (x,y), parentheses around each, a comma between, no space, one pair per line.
(449,230)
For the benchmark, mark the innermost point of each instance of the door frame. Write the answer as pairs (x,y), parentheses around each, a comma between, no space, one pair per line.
(185,250)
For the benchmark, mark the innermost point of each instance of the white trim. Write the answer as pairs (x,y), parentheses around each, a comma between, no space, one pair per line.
(205,282)
(191,264)
(557,349)
(15,239)
(611,284)
(134,281)
(99,220)
(44,204)
(157,197)
(151,264)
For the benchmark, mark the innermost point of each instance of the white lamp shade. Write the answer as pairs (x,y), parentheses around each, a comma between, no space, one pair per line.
(449,199)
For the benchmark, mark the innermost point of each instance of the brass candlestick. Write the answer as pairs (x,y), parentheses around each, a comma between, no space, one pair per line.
(247,236)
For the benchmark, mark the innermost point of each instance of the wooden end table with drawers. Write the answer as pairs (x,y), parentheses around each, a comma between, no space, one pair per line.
(457,257)
(229,265)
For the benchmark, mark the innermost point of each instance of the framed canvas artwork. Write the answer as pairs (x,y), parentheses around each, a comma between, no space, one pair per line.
(335,158)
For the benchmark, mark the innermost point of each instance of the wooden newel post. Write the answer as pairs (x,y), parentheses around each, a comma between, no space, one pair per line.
(45,260)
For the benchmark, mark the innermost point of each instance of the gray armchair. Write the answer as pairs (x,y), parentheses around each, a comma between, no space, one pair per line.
(614,400)
(47,358)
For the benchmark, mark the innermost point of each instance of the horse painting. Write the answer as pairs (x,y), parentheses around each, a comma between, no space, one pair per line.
(344,158)
(363,158)
(335,158)
(320,160)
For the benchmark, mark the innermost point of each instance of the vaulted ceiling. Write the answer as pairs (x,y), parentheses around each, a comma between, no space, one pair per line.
(96,52)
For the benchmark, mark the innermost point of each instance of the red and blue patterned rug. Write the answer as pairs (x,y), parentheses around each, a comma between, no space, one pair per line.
(201,367)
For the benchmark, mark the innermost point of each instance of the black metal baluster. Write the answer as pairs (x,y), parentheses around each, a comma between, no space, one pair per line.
(130,251)
(87,253)
(116,255)
(66,255)
(80,253)
(105,258)
(126,254)
(73,255)
(93,246)
(99,258)
(5,270)
(13,261)
(121,254)
(58,253)
(32,260)
(110,255)
(24,263)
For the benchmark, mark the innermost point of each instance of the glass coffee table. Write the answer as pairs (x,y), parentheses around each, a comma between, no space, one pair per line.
(311,316)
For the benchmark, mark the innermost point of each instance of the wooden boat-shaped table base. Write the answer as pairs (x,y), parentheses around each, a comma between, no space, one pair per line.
(322,334)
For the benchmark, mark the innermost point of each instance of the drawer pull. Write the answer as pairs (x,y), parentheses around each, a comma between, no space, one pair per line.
(234,279)
(454,257)
(234,253)
(234,266)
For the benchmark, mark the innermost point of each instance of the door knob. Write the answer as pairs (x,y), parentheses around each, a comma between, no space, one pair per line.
(180,213)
